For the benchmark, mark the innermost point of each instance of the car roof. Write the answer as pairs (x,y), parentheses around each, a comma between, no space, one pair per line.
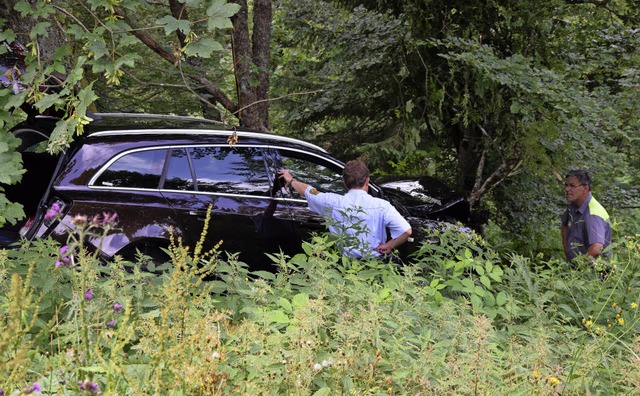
(159,125)
(127,121)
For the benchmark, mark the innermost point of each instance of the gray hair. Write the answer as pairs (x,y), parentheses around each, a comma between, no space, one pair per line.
(583,176)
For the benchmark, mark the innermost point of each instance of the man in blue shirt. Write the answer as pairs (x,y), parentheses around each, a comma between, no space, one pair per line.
(360,219)
(585,223)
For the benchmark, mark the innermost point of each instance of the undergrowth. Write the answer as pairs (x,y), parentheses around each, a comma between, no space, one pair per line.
(458,318)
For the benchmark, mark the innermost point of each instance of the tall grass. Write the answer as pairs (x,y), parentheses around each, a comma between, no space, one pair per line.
(458,318)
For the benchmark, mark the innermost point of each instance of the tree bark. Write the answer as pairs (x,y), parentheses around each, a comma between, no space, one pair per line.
(241,48)
(262,17)
(468,158)
(46,44)
(251,107)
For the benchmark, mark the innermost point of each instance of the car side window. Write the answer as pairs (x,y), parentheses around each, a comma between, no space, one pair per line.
(230,170)
(324,176)
(139,169)
(178,176)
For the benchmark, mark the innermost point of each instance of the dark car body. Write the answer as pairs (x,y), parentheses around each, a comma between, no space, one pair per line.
(163,174)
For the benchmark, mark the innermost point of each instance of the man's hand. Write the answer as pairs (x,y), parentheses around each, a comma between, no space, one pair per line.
(286,176)
(595,249)
(384,248)
(387,247)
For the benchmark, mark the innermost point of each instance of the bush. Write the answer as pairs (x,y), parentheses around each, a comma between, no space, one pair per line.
(459,319)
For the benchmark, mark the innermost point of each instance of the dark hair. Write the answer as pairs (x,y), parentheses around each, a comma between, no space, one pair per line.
(583,176)
(355,174)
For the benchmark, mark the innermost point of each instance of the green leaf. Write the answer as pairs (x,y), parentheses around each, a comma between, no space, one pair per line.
(9,212)
(40,29)
(324,391)
(8,36)
(496,274)
(127,60)
(285,304)
(203,48)
(15,101)
(490,312)
(219,13)
(300,300)
(264,275)
(171,24)
(501,298)
(23,8)
(10,162)
(485,281)
(86,97)
(490,300)
(475,301)
(568,310)
(488,266)
(277,316)
(48,101)
(468,284)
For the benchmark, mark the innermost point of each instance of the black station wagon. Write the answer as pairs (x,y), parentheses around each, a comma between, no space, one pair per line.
(161,174)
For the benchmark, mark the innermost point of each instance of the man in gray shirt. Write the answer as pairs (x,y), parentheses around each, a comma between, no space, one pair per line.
(585,223)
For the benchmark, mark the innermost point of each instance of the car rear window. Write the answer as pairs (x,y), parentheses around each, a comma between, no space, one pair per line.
(140,169)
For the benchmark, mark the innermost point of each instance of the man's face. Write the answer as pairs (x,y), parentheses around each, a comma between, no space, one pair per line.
(575,192)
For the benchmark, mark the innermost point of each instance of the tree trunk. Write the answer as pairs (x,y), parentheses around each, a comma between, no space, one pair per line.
(468,158)
(250,113)
(262,16)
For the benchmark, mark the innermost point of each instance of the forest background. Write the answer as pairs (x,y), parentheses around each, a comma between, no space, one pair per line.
(497,98)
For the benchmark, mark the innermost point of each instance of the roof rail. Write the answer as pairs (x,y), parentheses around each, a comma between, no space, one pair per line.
(193,130)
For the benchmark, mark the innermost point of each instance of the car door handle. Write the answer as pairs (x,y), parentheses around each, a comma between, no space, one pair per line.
(198,213)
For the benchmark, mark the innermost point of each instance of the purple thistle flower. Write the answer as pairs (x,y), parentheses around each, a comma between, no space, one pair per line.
(1,392)
(50,214)
(111,323)
(87,385)
(109,219)
(88,295)
(65,258)
(53,211)
(116,307)
(94,389)
(36,387)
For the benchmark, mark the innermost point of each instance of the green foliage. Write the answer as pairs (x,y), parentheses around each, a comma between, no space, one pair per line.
(540,88)
(10,172)
(458,319)
(465,268)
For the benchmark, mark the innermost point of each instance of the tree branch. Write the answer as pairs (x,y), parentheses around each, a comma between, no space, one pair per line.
(150,41)
(506,169)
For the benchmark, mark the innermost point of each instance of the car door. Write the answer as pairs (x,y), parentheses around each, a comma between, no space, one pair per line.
(323,173)
(234,183)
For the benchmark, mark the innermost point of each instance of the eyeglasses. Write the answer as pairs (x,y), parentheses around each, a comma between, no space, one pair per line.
(574,185)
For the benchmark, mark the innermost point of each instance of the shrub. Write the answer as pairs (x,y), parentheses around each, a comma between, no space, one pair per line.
(459,319)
